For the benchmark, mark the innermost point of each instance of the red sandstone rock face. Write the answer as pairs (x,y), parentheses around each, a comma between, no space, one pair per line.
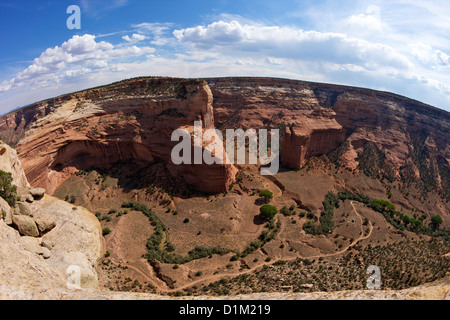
(133,119)
(307,128)
(413,137)
(317,134)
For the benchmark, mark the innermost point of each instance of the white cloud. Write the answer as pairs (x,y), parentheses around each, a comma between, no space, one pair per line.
(134,38)
(118,68)
(153,27)
(217,33)
(364,24)
(429,56)
(329,56)
(6,85)
(289,42)
(274,61)
(156,30)
(76,73)
(77,56)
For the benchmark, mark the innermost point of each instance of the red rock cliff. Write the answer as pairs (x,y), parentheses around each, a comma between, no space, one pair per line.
(132,119)
(317,134)
(411,139)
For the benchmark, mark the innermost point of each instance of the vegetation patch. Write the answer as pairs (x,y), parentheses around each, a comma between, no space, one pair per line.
(403,265)
(336,155)
(266,195)
(372,162)
(397,219)
(161,249)
(173,113)
(326,226)
(264,237)
(8,191)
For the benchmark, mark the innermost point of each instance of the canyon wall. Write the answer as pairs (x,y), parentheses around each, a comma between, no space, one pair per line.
(315,135)
(380,133)
(132,119)
(307,128)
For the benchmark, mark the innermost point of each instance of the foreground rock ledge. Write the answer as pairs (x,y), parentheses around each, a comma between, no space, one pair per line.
(439,290)
(26,275)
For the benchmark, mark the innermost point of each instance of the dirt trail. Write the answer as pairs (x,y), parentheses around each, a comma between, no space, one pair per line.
(126,262)
(216,277)
(235,274)
(220,276)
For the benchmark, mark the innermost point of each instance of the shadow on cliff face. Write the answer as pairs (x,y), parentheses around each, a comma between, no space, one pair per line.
(135,174)
(151,177)
(131,163)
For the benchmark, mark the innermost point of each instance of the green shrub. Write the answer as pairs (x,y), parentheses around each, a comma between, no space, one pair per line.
(279,263)
(268,211)
(285,211)
(234,258)
(310,227)
(8,191)
(166,255)
(436,222)
(266,195)
(106,231)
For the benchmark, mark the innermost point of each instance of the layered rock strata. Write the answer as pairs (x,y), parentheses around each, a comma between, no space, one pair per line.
(410,137)
(133,119)
(315,135)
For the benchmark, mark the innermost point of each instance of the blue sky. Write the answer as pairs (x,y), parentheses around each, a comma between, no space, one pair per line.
(399,46)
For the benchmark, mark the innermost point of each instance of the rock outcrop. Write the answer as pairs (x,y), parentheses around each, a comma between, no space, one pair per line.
(133,119)
(75,235)
(25,225)
(10,162)
(5,211)
(23,273)
(41,239)
(317,134)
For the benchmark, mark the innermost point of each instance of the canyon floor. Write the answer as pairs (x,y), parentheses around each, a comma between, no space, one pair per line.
(292,261)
